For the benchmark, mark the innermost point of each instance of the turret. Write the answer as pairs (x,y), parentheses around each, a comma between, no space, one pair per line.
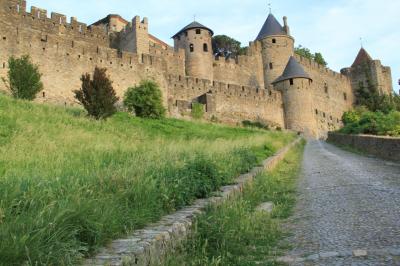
(296,87)
(277,47)
(367,72)
(195,39)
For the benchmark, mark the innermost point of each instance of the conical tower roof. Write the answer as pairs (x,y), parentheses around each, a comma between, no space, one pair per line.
(193,25)
(293,70)
(362,57)
(270,27)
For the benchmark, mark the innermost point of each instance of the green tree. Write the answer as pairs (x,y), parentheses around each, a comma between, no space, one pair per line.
(227,46)
(145,100)
(23,78)
(305,52)
(97,95)
(320,59)
(367,95)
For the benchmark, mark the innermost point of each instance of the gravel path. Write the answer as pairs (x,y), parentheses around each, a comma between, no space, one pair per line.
(348,211)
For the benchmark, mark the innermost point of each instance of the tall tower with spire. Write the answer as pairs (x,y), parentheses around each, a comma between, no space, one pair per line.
(277,47)
(365,72)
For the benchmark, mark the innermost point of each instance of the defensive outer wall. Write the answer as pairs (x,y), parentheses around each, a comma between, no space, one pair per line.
(232,90)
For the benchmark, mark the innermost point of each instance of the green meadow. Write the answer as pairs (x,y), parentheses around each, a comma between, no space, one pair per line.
(69,184)
(234,233)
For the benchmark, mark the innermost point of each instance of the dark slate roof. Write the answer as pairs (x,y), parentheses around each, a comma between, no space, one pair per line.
(271,27)
(293,70)
(362,57)
(193,25)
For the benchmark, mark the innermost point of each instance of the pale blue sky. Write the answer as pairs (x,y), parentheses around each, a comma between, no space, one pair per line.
(332,27)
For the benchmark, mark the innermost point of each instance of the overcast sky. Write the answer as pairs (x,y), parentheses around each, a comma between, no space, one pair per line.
(332,27)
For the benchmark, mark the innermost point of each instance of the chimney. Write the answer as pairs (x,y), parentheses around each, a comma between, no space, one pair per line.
(286,26)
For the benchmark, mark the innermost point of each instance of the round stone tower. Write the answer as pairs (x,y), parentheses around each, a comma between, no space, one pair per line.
(296,87)
(277,47)
(195,39)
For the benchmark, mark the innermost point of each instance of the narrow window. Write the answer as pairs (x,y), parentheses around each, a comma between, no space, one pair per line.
(61,20)
(273,40)
(326,88)
(4,65)
(186,33)
(80,28)
(291,81)
(324,115)
(271,66)
(179,38)
(191,47)
(198,31)
(345,96)
(205,47)
(316,111)
(44,95)
(18,8)
(72,44)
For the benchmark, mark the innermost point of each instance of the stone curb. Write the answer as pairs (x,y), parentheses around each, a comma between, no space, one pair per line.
(149,246)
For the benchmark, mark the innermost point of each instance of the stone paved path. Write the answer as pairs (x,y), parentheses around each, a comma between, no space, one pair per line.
(348,211)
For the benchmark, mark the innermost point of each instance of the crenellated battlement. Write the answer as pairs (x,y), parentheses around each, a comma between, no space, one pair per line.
(38,19)
(309,63)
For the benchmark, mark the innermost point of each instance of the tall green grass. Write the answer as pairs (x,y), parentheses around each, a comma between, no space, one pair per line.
(69,184)
(233,233)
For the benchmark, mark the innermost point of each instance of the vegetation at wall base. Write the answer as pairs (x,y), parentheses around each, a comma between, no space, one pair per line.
(197,110)
(256,124)
(145,100)
(97,95)
(234,233)
(70,184)
(23,78)
(375,114)
(362,121)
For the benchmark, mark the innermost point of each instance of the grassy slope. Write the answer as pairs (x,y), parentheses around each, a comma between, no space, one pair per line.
(234,233)
(69,184)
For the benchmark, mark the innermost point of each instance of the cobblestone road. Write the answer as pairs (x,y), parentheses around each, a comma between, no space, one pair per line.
(348,211)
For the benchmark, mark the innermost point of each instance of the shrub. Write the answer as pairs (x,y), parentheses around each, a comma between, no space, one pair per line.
(97,95)
(197,110)
(375,123)
(23,78)
(145,100)
(257,124)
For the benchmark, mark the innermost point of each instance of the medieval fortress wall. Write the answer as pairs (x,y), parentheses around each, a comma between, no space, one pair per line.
(231,90)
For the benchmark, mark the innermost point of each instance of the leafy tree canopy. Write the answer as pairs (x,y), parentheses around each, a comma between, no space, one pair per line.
(23,78)
(145,100)
(226,46)
(97,95)
(305,52)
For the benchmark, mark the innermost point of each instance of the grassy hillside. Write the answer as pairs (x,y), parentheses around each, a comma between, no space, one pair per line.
(69,184)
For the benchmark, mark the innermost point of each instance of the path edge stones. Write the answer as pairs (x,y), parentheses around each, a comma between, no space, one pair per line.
(149,246)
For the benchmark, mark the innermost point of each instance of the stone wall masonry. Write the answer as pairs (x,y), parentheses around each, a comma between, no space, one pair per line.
(150,245)
(246,70)
(14,13)
(384,147)
(332,95)
(234,103)
(63,59)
